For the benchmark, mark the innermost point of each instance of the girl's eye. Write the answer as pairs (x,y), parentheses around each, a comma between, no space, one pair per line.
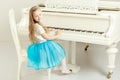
(35,16)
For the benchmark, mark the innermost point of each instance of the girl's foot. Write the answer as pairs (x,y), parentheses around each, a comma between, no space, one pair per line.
(66,71)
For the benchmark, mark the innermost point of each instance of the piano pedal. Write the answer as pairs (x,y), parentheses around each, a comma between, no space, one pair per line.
(86,47)
(109,75)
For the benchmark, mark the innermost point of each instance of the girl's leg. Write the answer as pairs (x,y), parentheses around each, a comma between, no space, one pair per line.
(63,67)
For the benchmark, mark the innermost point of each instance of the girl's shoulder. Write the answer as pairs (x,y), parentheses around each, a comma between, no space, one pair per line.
(37,25)
(39,28)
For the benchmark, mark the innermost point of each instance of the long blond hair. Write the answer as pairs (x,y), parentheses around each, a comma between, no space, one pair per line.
(32,22)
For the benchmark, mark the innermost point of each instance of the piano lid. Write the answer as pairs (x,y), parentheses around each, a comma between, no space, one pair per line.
(73,6)
(109,5)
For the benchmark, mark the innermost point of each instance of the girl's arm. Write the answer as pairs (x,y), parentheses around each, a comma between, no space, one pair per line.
(48,37)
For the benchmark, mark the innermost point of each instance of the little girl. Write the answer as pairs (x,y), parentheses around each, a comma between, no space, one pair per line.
(44,53)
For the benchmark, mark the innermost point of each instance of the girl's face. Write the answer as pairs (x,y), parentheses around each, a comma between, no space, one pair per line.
(37,15)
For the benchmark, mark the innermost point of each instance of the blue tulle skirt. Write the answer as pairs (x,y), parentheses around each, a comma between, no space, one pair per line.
(45,55)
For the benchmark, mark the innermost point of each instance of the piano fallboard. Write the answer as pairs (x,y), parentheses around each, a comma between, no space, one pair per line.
(97,23)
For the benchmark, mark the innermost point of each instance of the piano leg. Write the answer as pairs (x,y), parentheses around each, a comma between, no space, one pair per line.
(73,67)
(66,45)
(73,52)
(112,50)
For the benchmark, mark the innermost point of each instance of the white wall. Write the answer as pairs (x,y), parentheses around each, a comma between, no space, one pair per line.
(5,34)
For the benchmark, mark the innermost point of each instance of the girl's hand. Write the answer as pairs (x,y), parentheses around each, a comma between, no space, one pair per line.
(58,32)
(50,29)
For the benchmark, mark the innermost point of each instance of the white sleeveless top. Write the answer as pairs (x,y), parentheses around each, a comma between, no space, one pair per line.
(39,30)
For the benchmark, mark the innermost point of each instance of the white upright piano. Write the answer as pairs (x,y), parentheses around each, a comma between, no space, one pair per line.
(88,21)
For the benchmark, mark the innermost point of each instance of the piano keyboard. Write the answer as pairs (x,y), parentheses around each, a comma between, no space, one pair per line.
(78,31)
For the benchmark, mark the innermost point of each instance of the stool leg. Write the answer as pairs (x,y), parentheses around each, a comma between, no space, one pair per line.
(19,70)
(49,74)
